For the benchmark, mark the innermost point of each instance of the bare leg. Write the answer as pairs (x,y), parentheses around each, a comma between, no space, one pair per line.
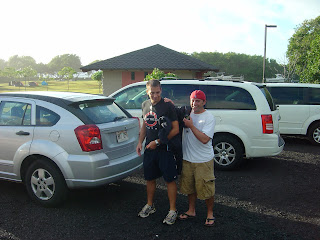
(151,188)
(210,203)
(192,198)
(172,194)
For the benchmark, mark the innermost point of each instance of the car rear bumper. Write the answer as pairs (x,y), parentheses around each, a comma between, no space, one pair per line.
(271,145)
(96,170)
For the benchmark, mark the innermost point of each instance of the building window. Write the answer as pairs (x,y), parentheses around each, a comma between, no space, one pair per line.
(133,75)
(145,74)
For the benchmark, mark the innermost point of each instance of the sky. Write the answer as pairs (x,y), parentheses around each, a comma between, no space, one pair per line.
(102,29)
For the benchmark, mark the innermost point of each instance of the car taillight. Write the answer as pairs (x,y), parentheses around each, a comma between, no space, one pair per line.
(267,123)
(89,137)
(138,121)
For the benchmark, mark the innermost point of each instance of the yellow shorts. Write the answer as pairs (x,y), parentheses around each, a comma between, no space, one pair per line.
(198,178)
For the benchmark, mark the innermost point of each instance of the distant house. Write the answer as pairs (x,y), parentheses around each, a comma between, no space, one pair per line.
(134,66)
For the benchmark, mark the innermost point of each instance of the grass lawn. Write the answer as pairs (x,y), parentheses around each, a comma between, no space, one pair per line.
(84,86)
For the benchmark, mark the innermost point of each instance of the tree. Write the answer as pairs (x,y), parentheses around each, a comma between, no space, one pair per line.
(8,74)
(66,60)
(42,68)
(312,71)
(238,64)
(304,50)
(95,61)
(67,73)
(26,73)
(98,77)
(289,69)
(3,64)
(158,74)
(21,62)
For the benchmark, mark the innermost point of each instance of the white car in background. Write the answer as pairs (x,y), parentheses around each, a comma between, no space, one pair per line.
(299,106)
(247,121)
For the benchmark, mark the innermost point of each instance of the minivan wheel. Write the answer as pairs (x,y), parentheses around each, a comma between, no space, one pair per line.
(314,134)
(45,184)
(228,152)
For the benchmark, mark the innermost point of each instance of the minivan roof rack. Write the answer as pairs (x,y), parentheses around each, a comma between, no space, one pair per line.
(168,78)
(222,77)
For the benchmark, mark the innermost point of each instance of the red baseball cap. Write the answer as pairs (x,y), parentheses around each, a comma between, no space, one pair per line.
(198,94)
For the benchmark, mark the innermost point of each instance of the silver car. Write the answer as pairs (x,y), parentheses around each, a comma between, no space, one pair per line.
(55,141)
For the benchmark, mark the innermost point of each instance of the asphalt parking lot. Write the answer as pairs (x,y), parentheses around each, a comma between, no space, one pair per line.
(267,198)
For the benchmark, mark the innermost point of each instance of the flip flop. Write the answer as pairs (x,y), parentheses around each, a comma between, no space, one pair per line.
(187,216)
(210,224)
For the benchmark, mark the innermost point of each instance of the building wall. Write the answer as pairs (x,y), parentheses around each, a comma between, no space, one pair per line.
(184,74)
(112,81)
(127,77)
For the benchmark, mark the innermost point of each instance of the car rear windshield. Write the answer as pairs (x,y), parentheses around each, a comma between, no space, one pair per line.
(268,96)
(100,111)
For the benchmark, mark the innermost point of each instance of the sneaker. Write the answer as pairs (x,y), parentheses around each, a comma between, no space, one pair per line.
(171,217)
(146,211)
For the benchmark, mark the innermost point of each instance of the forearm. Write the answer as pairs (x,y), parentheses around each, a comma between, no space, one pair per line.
(200,135)
(174,130)
(142,134)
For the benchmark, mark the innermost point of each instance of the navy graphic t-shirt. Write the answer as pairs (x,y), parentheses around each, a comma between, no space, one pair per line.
(152,113)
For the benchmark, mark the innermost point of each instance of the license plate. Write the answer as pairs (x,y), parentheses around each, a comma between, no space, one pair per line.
(122,136)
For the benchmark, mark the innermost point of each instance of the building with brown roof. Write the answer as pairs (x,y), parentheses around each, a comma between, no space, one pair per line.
(134,66)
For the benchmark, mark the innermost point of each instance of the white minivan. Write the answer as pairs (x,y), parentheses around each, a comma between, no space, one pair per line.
(299,106)
(247,121)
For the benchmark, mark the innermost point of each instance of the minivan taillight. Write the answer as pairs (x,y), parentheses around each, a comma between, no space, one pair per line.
(89,137)
(267,123)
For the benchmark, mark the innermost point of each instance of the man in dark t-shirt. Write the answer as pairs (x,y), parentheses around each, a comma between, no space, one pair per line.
(158,159)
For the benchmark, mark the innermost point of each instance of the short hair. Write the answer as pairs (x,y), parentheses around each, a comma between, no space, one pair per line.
(153,83)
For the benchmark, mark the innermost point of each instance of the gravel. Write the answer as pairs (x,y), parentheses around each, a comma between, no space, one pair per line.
(267,198)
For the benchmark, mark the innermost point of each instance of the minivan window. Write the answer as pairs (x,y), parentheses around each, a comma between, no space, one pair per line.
(288,95)
(268,96)
(314,96)
(132,98)
(228,97)
(178,93)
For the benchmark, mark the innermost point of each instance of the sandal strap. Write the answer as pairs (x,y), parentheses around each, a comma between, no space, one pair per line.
(186,214)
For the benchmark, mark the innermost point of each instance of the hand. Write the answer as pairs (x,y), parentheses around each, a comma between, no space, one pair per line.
(168,100)
(188,122)
(152,145)
(139,148)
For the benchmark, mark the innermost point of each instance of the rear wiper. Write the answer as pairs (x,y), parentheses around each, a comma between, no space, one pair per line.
(118,118)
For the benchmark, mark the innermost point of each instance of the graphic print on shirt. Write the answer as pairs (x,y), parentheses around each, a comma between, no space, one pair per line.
(151,120)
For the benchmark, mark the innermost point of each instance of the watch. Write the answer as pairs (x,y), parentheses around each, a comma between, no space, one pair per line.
(157,142)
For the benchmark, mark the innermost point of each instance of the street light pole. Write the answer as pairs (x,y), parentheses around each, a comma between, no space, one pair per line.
(265,50)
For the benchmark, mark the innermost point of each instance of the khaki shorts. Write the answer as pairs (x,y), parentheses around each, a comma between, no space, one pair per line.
(198,178)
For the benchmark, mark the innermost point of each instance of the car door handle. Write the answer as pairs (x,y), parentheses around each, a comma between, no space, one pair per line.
(22,133)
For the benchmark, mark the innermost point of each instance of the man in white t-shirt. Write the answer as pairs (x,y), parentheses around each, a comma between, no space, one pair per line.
(197,176)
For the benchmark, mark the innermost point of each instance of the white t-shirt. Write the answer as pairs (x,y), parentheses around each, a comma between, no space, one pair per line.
(194,150)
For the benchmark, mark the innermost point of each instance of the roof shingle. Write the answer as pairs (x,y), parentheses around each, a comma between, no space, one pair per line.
(149,58)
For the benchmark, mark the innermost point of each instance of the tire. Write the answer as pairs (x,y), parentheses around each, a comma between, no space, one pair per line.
(45,183)
(228,152)
(314,134)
